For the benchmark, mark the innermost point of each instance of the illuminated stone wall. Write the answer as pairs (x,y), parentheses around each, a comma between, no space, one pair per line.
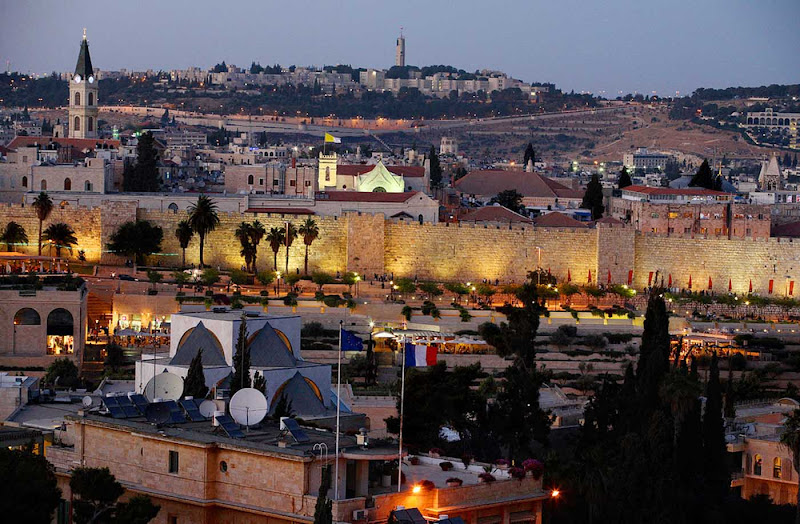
(739,261)
(369,244)
(327,253)
(477,251)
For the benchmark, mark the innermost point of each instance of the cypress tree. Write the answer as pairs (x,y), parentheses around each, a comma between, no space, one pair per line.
(705,178)
(435,168)
(530,154)
(624,178)
(323,511)
(145,173)
(654,354)
(241,360)
(714,450)
(593,198)
(195,380)
(259,382)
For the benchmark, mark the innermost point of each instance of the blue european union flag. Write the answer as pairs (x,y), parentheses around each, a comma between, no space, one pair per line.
(350,342)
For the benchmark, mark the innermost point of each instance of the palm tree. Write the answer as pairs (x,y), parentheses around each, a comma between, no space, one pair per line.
(184,234)
(204,219)
(43,206)
(289,236)
(14,234)
(61,235)
(257,233)
(242,234)
(275,238)
(790,438)
(310,233)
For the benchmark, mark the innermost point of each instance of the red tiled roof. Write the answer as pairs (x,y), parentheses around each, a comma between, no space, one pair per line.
(355,196)
(78,143)
(4,150)
(556,219)
(281,210)
(688,191)
(360,169)
(492,181)
(609,220)
(494,214)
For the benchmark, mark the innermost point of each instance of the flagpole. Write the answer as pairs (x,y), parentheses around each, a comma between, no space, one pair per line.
(402,398)
(338,405)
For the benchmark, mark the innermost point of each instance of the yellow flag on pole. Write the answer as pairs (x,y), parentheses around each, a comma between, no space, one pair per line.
(332,139)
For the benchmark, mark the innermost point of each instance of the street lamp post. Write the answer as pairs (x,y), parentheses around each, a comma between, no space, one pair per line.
(538,265)
(278,283)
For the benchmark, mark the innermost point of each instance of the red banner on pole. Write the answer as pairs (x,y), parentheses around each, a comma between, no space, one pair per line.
(791,287)
(630,277)
(751,286)
(649,279)
(730,285)
(569,276)
(710,285)
(770,286)
(609,277)
(690,281)
(669,282)
(590,276)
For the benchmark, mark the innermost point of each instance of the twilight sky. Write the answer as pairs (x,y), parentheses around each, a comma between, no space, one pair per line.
(606,47)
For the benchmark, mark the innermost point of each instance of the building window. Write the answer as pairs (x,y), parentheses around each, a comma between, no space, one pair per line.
(250,179)
(173,461)
(91,99)
(776,468)
(673,214)
(718,231)
(223,466)
(43,185)
(27,317)
(670,230)
(77,98)
(260,181)
(687,230)
(292,183)
(748,232)
(24,181)
(172,519)
(77,125)
(757,463)
(60,331)
(87,186)
(327,174)
(653,215)
(308,183)
(67,184)
(90,124)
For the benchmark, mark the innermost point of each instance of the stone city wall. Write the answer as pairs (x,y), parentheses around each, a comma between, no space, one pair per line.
(370,244)
(476,251)
(327,253)
(738,260)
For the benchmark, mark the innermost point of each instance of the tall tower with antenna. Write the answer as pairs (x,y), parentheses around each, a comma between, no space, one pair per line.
(400,50)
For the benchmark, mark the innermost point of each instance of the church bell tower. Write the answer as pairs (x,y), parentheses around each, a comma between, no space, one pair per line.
(83,96)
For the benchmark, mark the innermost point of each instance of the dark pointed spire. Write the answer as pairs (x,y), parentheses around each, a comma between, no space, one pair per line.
(84,65)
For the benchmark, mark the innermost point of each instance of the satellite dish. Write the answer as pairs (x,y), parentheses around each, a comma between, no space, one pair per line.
(87,401)
(157,413)
(207,408)
(249,406)
(164,385)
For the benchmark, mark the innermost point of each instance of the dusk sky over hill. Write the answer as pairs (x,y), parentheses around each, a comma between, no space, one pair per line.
(604,47)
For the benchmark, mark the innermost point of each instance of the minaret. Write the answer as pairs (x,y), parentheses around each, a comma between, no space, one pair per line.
(83,96)
(400,51)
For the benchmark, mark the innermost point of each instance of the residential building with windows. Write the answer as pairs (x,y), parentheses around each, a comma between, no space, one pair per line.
(646,160)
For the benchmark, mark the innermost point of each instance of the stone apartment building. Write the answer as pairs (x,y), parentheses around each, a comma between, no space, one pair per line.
(40,325)
(754,442)
(271,179)
(197,474)
(689,212)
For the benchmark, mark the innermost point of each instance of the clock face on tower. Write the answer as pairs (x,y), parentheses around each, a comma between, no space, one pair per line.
(91,80)
(77,79)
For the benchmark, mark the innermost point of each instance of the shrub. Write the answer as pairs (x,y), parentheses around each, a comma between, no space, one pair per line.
(319,296)
(455,480)
(517,473)
(465,316)
(501,462)
(594,341)
(413,461)
(446,466)
(332,300)
(738,362)
(313,329)
(618,338)
(266,278)
(406,312)
(535,467)
(436,451)
(427,485)
(487,477)
(239,277)
(467,460)
(290,300)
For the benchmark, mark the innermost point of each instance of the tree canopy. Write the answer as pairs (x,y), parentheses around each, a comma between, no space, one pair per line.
(593,198)
(136,240)
(31,492)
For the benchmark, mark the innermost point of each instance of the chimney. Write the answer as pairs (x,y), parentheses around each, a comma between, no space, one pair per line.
(294,162)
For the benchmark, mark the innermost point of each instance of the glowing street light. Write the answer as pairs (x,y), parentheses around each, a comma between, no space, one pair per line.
(555,493)
(416,489)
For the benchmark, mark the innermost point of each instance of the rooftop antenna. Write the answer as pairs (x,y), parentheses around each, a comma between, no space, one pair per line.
(157,413)
(207,408)
(249,407)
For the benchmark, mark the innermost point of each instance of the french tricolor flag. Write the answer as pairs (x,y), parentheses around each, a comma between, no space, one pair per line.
(418,355)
